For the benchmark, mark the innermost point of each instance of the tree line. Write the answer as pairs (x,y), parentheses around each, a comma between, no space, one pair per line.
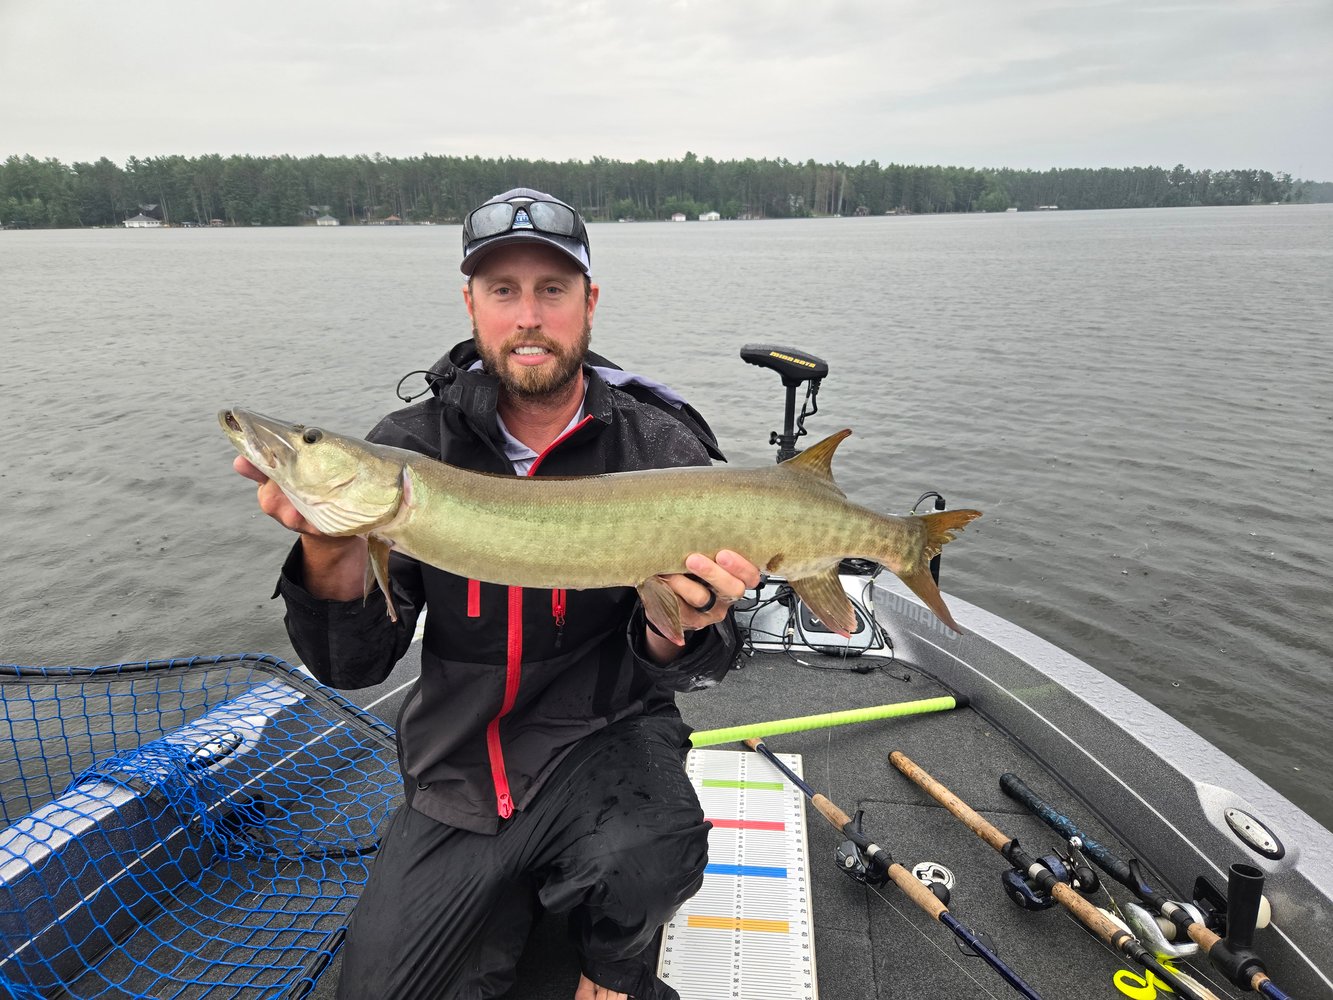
(289,190)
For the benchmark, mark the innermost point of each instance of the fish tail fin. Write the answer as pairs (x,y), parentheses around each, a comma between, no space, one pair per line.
(942,527)
(923,585)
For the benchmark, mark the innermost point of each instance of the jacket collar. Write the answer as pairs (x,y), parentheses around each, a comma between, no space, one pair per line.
(469,395)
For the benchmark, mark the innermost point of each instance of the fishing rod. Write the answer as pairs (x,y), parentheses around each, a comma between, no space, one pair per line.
(868,862)
(1093,919)
(800,724)
(1232,955)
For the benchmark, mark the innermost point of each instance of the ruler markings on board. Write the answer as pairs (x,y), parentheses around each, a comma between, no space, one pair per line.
(747,934)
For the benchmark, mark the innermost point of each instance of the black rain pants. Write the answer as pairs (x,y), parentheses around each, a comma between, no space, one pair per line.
(615,839)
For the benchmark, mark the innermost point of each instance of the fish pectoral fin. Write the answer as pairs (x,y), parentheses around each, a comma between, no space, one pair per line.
(377,571)
(824,596)
(661,606)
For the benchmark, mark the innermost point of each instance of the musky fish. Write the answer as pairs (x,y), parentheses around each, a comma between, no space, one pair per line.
(625,529)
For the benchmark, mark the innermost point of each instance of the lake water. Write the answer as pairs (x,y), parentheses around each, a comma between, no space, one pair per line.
(1139,401)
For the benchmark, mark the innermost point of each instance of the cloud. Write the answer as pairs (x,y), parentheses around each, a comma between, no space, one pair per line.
(1026,83)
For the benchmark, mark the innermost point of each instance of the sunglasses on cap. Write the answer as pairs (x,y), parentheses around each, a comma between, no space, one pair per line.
(554,218)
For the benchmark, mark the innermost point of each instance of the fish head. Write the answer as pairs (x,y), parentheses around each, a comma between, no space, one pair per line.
(341,485)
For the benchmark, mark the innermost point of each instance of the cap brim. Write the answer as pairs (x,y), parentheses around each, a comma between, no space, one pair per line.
(479,251)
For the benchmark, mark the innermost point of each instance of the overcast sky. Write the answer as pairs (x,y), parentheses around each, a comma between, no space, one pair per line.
(1021,83)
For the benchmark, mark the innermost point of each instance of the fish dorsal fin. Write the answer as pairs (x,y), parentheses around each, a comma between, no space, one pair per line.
(817,460)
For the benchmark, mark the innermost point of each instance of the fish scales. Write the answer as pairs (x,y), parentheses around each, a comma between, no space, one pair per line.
(622,529)
(618,530)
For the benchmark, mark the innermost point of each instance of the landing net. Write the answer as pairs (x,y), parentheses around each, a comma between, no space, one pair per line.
(182,828)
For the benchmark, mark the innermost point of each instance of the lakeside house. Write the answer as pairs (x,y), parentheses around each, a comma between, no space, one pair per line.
(677,216)
(327,220)
(710,216)
(142,221)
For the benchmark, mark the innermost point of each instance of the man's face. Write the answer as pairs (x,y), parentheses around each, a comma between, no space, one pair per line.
(531,318)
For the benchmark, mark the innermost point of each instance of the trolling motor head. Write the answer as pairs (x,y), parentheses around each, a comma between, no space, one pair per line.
(795,367)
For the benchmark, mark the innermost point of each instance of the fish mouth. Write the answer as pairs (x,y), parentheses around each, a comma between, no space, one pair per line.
(263,440)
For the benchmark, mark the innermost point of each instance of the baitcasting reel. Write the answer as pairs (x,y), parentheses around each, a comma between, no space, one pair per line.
(1030,896)
(864,861)
(868,863)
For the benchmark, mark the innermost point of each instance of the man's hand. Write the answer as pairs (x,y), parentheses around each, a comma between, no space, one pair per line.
(334,568)
(588,990)
(726,579)
(272,501)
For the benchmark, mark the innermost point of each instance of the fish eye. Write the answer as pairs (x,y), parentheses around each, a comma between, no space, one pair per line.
(312,435)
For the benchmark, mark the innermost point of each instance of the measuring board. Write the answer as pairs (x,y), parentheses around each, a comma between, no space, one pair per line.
(747,934)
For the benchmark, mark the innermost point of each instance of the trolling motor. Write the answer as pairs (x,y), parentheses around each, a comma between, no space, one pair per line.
(795,367)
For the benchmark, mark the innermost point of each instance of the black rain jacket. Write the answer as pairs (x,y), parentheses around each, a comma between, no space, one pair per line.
(511,678)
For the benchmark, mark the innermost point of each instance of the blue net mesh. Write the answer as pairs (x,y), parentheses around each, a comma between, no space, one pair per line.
(182,828)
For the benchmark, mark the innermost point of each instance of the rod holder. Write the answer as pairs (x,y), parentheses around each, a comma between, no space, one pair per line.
(1233,955)
(1245,890)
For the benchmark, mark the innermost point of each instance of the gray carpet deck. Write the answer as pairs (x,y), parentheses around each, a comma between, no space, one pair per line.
(874,944)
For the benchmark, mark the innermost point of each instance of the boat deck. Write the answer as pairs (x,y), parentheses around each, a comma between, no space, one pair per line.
(873,943)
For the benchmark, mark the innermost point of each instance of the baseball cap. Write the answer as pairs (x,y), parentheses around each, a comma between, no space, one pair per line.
(524,215)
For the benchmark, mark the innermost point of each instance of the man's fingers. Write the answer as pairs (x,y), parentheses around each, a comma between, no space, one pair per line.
(709,588)
(691,591)
(728,586)
(246,468)
(274,503)
(271,499)
(739,567)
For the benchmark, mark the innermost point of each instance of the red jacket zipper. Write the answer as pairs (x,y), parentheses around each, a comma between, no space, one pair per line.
(559,601)
(504,802)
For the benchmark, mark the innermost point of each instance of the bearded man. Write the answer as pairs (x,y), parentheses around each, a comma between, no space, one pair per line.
(541,747)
